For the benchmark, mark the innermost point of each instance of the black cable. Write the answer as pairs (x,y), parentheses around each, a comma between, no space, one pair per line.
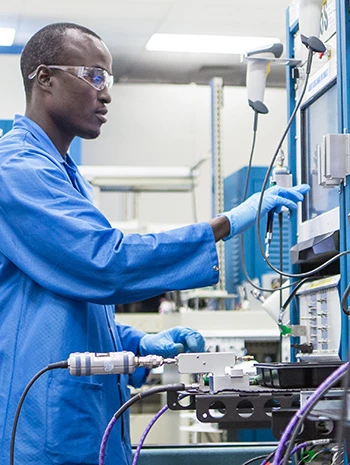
(315,270)
(52,366)
(292,294)
(344,305)
(149,392)
(294,291)
(245,193)
(269,457)
(263,289)
(266,457)
(260,457)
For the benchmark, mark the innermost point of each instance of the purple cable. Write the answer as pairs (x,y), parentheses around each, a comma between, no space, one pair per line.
(305,444)
(144,435)
(300,446)
(323,387)
(101,457)
(126,405)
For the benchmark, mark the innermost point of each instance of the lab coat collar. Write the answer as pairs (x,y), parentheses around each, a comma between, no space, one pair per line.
(23,122)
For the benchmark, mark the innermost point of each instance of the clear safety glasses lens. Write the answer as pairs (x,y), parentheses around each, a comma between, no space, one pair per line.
(96,77)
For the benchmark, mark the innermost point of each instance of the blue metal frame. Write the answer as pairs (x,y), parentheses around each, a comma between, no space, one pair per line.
(12,50)
(292,148)
(5,126)
(343,74)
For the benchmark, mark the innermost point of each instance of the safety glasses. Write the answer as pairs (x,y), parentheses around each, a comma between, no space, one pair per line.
(98,78)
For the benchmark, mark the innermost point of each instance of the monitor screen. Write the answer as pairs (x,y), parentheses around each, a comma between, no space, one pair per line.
(318,118)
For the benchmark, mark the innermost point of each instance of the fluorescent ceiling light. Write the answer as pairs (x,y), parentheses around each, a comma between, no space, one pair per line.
(206,44)
(7,36)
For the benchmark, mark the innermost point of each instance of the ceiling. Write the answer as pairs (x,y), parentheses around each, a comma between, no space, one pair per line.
(126,26)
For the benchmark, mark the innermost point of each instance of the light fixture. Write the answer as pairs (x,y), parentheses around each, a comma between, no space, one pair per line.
(189,43)
(7,36)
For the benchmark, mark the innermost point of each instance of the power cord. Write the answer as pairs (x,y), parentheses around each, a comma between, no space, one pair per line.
(52,366)
(245,193)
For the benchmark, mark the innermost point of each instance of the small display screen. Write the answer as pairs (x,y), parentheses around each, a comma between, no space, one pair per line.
(317,119)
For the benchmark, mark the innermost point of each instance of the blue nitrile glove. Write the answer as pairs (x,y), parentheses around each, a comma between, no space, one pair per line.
(244,216)
(171,342)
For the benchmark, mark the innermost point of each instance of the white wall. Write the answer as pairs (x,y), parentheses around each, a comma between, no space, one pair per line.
(11,89)
(157,124)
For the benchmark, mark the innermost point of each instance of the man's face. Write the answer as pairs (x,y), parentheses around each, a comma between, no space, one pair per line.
(75,107)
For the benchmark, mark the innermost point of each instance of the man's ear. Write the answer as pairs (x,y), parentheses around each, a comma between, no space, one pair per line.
(43,77)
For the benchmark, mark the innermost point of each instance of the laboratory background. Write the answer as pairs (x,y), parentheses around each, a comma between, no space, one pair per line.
(213,101)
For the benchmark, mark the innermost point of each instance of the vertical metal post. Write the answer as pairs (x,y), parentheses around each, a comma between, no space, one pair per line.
(343,83)
(216,85)
(292,159)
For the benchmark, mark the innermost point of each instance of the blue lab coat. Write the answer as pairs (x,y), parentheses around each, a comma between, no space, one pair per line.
(62,269)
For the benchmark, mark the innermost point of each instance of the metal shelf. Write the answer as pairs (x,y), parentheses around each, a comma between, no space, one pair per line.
(141,178)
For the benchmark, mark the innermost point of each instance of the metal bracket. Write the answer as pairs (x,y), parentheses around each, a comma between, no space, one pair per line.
(277,61)
(333,159)
(237,409)
(298,330)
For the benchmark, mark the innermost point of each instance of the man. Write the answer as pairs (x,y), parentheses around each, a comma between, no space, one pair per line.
(63,267)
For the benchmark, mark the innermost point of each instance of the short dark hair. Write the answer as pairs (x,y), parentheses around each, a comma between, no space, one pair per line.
(47,47)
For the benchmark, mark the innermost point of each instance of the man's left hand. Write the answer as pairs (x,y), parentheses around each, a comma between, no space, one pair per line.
(171,342)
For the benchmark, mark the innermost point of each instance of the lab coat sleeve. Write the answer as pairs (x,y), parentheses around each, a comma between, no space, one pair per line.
(130,339)
(57,237)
